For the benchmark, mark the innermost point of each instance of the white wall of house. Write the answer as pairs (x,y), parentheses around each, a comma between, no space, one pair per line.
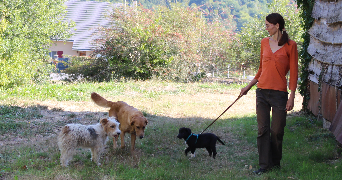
(66,47)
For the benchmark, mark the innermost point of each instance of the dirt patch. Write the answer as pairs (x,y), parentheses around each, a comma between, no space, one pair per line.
(54,114)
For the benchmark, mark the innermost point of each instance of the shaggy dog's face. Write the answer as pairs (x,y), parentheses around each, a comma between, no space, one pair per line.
(139,124)
(111,127)
(184,133)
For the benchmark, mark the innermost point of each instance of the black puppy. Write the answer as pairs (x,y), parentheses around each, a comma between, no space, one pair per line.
(206,140)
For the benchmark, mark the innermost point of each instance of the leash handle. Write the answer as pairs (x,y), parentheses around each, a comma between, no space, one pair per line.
(223,112)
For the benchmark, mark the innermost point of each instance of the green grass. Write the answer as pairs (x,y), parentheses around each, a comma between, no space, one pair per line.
(10,118)
(309,152)
(81,91)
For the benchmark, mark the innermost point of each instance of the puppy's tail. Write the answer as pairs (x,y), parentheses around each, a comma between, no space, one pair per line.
(99,100)
(219,140)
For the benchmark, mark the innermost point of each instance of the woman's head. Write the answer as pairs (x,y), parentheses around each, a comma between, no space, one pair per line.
(275,23)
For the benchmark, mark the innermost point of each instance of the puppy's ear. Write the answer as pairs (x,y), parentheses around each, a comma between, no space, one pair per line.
(65,129)
(104,121)
(188,130)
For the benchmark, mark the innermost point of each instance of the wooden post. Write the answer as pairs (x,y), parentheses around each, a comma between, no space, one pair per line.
(228,70)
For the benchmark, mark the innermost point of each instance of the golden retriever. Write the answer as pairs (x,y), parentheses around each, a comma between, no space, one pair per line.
(131,119)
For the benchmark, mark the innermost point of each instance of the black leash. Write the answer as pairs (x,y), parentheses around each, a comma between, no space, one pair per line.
(222,113)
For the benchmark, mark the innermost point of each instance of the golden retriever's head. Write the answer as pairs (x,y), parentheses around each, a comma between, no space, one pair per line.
(139,122)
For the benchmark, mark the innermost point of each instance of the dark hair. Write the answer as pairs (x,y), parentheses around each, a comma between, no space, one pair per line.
(275,18)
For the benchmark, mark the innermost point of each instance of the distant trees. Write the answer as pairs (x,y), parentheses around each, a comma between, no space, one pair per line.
(26,29)
(242,10)
(253,31)
(183,43)
(174,43)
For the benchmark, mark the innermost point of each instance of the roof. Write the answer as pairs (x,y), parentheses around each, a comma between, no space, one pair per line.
(88,17)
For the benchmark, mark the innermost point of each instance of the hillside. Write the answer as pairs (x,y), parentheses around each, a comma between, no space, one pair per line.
(239,10)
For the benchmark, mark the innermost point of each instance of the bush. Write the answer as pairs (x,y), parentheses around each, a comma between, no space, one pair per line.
(176,43)
(90,69)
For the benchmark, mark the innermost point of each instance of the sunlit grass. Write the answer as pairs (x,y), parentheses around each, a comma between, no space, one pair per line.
(81,91)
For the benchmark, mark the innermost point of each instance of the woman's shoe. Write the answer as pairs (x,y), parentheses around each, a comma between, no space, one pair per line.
(260,171)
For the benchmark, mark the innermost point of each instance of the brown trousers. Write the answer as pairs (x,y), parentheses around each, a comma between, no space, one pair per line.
(270,133)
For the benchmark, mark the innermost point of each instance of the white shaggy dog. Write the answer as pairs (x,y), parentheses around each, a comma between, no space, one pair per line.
(94,137)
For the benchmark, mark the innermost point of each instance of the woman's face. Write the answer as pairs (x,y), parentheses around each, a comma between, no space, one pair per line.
(271,28)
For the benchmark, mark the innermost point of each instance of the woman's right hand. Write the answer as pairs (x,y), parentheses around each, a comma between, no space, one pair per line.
(244,91)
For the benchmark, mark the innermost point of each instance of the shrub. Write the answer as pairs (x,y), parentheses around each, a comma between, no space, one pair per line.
(174,43)
(90,69)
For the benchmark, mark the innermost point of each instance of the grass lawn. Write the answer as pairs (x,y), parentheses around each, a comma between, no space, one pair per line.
(30,118)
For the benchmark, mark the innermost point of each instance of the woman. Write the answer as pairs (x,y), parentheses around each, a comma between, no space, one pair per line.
(278,55)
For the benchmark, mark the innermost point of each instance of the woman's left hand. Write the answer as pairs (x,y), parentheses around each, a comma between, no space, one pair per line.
(290,102)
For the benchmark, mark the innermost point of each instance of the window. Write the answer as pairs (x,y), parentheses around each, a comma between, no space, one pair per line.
(82,53)
(54,53)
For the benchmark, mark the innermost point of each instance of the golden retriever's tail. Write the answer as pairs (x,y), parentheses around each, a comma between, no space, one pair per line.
(99,100)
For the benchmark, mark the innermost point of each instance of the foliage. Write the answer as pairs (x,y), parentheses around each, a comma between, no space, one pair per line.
(167,43)
(253,31)
(305,58)
(26,29)
(242,10)
(88,68)
(135,46)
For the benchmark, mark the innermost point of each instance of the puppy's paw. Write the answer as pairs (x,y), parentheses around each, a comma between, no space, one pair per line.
(192,155)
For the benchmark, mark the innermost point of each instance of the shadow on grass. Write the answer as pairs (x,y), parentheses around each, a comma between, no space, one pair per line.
(160,155)
(11,117)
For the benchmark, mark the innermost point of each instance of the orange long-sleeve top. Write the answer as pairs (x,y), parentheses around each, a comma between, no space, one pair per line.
(274,66)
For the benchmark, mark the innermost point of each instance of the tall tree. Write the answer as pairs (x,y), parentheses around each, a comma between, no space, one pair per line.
(26,29)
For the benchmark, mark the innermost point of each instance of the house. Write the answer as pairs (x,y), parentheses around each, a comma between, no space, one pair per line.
(88,16)
(325,67)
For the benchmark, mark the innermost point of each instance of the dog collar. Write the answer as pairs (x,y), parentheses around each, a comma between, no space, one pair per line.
(191,135)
